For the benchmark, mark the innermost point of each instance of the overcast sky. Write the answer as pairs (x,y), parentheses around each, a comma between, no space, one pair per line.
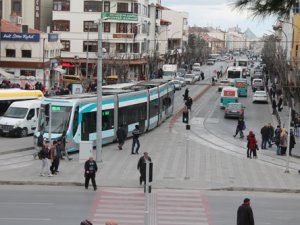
(219,13)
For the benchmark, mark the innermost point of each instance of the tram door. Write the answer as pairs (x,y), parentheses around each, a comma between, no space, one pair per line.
(88,125)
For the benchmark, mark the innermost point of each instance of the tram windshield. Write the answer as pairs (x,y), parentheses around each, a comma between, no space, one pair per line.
(60,117)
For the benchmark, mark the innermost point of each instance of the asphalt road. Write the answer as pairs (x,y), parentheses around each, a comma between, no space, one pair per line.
(36,205)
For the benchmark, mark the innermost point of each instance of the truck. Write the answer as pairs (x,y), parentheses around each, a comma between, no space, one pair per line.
(169,71)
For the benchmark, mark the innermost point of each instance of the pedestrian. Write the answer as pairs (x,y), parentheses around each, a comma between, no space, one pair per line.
(277,139)
(63,147)
(90,170)
(189,103)
(160,73)
(135,140)
(202,75)
(251,145)
(212,81)
(141,166)
(264,136)
(121,136)
(53,154)
(240,127)
(57,156)
(186,94)
(270,134)
(279,105)
(283,141)
(45,157)
(274,105)
(245,213)
(292,142)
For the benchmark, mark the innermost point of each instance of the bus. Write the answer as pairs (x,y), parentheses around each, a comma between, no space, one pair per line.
(235,72)
(10,95)
(242,86)
(244,63)
(229,94)
(148,104)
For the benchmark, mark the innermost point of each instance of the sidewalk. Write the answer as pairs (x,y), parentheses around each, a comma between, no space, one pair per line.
(213,164)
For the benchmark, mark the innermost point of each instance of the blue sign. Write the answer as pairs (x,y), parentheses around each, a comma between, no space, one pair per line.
(52,37)
(28,37)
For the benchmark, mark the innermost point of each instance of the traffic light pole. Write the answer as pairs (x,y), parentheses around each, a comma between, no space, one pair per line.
(50,123)
(146,213)
(187,152)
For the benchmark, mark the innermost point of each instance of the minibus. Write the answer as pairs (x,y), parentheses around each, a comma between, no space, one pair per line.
(228,94)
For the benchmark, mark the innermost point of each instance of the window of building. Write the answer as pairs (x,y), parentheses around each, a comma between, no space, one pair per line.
(106,27)
(90,26)
(122,7)
(145,10)
(1,9)
(136,47)
(61,25)
(106,45)
(121,28)
(27,73)
(121,47)
(61,5)
(106,6)
(16,7)
(26,53)
(135,8)
(91,45)
(92,6)
(66,45)
(11,53)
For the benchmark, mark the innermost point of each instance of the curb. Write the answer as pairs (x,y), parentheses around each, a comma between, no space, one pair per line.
(244,189)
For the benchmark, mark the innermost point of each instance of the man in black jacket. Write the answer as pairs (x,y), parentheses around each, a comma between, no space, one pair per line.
(121,136)
(245,213)
(135,140)
(90,170)
(141,166)
(264,136)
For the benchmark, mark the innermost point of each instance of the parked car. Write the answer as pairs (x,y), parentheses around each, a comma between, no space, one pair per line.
(234,110)
(210,62)
(257,85)
(180,72)
(260,96)
(223,83)
(190,78)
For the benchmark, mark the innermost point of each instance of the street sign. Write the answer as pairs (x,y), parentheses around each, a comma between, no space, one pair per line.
(120,16)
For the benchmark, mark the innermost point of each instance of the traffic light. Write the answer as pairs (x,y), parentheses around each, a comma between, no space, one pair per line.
(185,116)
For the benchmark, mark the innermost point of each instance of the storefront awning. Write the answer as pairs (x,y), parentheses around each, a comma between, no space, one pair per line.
(60,70)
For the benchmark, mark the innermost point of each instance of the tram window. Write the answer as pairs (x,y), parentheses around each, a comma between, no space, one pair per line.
(107,119)
(89,122)
(154,107)
(75,120)
(133,113)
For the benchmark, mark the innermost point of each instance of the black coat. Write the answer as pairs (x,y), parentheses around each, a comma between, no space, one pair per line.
(264,132)
(245,215)
(292,141)
(121,134)
(141,167)
(90,166)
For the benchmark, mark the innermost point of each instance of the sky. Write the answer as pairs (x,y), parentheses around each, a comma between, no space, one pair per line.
(220,14)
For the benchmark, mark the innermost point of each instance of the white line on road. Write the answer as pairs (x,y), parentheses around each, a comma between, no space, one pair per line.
(28,219)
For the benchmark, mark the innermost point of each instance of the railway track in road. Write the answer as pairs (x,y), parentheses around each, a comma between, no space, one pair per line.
(16,160)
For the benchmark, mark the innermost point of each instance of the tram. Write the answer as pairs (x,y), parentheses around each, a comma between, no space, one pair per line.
(146,104)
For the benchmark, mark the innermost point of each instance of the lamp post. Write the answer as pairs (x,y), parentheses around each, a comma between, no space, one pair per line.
(87,53)
(44,74)
(99,95)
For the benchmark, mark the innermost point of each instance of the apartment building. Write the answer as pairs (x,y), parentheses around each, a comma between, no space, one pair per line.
(36,14)
(126,28)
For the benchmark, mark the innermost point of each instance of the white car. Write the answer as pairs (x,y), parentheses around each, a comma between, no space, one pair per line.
(182,81)
(177,84)
(190,78)
(260,96)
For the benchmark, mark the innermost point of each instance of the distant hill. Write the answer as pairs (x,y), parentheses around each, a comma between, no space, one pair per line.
(249,34)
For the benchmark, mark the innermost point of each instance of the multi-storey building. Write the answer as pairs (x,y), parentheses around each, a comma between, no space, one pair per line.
(33,13)
(126,27)
(28,55)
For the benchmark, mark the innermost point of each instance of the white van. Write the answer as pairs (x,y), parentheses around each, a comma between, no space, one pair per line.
(20,119)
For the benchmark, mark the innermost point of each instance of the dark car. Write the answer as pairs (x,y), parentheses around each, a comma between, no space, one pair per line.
(234,110)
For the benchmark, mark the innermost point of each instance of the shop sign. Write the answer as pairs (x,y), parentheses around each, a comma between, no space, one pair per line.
(28,37)
(120,16)
(119,35)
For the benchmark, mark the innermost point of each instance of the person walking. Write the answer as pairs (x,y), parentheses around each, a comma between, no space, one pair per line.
(245,213)
(121,136)
(274,105)
(251,145)
(189,103)
(283,141)
(45,157)
(135,140)
(264,136)
(240,127)
(277,140)
(280,101)
(90,170)
(141,166)
(270,134)
(292,142)
(186,94)
(63,147)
